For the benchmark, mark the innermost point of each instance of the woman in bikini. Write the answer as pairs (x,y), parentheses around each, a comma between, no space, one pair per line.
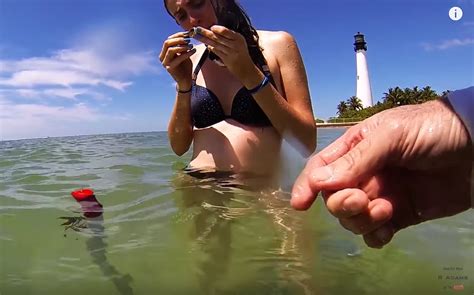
(238,94)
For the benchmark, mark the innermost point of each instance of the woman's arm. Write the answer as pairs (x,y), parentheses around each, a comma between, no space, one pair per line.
(180,127)
(175,57)
(293,118)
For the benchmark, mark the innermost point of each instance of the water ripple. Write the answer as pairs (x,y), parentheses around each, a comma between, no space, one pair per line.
(209,238)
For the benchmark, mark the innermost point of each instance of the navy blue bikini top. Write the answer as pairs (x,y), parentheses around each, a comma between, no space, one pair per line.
(206,109)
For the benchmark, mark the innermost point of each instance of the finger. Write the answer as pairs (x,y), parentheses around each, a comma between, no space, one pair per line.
(302,193)
(173,52)
(379,237)
(372,186)
(177,61)
(347,203)
(210,38)
(179,34)
(220,53)
(224,32)
(342,145)
(379,212)
(172,43)
(218,43)
(361,161)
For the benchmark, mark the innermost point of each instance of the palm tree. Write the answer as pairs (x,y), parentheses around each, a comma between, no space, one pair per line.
(394,96)
(411,96)
(427,94)
(354,103)
(445,93)
(342,108)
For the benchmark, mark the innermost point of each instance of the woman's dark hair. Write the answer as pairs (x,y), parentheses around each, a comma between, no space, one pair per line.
(232,16)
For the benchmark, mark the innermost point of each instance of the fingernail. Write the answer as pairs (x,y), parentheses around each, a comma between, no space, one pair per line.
(187,40)
(321,174)
(384,234)
(190,46)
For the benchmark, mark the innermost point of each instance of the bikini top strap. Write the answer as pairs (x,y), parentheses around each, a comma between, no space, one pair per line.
(265,68)
(200,63)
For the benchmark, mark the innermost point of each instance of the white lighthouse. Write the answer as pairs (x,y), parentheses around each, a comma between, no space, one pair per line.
(363,92)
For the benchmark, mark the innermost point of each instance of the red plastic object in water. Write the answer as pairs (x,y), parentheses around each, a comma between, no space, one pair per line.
(90,206)
(82,194)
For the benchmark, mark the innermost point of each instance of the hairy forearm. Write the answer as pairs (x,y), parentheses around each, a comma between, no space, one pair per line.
(286,119)
(180,129)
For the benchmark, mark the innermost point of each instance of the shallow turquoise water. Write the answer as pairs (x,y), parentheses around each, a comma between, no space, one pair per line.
(164,233)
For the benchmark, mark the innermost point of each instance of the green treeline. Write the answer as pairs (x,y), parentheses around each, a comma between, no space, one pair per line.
(351,109)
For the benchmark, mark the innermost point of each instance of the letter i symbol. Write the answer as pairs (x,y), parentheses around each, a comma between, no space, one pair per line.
(455,13)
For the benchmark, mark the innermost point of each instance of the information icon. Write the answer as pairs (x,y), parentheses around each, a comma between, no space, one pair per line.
(455,13)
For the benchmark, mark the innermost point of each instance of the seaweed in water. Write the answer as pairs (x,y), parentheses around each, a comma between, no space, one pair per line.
(74,223)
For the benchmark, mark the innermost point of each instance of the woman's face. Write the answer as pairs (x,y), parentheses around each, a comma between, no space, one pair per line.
(192,13)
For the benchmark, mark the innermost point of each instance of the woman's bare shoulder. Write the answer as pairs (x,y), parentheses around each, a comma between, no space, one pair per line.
(275,39)
(280,45)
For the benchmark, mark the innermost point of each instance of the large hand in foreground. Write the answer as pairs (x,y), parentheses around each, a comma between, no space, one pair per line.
(398,168)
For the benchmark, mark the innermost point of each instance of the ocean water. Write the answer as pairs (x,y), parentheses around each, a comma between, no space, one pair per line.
(162,232)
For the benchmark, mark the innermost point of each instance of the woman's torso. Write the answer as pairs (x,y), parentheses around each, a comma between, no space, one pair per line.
(229,145)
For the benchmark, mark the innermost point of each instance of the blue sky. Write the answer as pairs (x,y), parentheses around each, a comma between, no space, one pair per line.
(90,66)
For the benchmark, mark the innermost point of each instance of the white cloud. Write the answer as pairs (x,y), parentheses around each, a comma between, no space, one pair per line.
(69,93)
(74,67)
(101,59)
(28,93)
(108,65)
(447,44)
(37,120)
(24,120)
(49,93)
(116,84)
(88,61)
(33,78)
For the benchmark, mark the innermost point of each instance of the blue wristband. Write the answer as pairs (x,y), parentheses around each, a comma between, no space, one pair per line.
(260,86)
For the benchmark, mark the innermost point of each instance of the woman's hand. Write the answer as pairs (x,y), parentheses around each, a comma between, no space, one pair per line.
(230,47)
(174,57)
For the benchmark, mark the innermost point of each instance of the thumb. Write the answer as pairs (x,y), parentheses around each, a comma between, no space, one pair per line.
(360,162)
